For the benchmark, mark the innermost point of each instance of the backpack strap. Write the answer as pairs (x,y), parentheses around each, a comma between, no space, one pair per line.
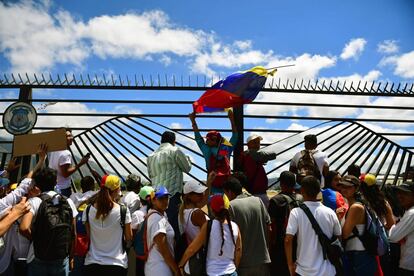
(316,227)
(123,210)
(209,225)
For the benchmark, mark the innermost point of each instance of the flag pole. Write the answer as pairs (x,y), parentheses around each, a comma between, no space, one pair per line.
(282,66)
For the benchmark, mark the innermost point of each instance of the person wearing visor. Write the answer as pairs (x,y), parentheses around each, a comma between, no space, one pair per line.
(160,237)
(403,231)
(360,261)
(216,151)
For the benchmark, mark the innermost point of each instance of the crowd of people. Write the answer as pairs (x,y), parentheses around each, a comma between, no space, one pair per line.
(319,223)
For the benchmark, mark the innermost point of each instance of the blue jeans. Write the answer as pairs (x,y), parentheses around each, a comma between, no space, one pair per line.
(48,268)
(360,263)
(78,263)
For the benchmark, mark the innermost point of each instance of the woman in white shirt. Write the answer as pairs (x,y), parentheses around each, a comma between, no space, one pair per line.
(224,246)
(160,237)
(191,217)
(106,253)
(360,261)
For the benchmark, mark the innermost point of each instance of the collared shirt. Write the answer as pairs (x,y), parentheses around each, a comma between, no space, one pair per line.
(208,151)
(403,232)
(166,166)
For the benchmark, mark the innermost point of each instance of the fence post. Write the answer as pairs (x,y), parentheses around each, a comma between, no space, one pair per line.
(25,95)
(238,149)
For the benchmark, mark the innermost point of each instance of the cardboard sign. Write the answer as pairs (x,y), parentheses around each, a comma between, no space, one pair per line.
(28,144)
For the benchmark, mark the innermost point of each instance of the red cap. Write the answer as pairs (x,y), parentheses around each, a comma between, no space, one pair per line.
(214,133)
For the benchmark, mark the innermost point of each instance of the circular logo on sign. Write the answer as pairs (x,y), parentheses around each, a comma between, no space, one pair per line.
(19,118)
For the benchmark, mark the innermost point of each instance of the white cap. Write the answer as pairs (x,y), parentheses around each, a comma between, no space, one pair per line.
(193,186)
(253,137)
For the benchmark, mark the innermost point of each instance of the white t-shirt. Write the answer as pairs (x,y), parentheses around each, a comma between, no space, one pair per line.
(106,238)
(320,158)
(156,265)
(310,259)
(137,217)
(403,232)
(78,198)
(224,264)
(34,208)
(57,159)
(132,201)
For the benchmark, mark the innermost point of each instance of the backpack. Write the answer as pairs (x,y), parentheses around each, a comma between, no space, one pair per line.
(52,229)
(374,239)
(307,165)
(140,240)
(292,203)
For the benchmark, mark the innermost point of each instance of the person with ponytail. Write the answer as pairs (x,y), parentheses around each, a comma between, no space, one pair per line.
(225,244)
(106,253)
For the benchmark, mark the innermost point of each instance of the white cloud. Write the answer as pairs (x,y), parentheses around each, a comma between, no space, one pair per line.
(403,64)
(353,49)
(388,47)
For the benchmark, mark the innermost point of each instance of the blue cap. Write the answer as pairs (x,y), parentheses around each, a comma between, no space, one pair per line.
(4,182)
(2,172)
(161,191)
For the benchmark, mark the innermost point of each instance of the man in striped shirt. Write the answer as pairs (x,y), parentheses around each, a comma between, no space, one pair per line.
(165,168)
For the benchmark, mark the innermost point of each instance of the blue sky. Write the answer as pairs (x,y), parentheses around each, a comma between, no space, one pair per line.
(332,40)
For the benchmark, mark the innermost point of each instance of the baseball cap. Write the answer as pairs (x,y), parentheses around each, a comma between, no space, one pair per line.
(145,192)
(214,133)
(4,182)
(219,202)
(254,137)
(112,182)
(368,179)
(161,191)
(193,186)
(13,186)
(407,187)
(349,180)
(2,172)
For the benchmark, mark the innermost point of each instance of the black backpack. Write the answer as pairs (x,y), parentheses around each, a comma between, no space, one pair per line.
(53,228)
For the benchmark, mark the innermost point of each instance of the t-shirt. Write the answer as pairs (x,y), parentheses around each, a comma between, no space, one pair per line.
(224,264)
(15,196)
(403,232)
(78,198)
(34,208)
(310,259)
(106,238)
(320,158)
(132,201)
(252,218)
(156,264)
(138,217)
(57,159)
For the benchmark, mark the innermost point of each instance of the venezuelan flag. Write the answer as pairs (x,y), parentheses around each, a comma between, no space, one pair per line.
(237,89)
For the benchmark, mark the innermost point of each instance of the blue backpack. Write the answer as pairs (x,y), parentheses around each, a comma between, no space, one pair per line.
(140,240)
(374,239)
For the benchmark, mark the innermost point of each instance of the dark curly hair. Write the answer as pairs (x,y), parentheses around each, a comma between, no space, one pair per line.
(375,198)
(45,179)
